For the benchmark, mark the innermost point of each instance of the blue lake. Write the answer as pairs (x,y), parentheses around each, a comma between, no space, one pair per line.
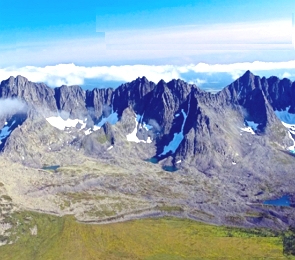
(165,168)
(52,167)
(153,160)
(283,201)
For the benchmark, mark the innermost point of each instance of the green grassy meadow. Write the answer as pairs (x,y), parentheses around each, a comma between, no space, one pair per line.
(163,238)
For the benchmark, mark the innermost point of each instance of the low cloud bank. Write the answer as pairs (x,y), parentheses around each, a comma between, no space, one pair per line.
(11,106)
(70,74)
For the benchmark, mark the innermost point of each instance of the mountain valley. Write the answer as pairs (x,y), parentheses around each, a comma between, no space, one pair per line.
(149,150)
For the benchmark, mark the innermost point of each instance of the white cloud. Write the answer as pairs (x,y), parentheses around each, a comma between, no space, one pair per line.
(237,69)
(198,82)
(286,75)
(11,106)
(71,74)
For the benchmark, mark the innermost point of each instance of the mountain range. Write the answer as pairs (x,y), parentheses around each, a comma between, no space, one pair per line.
(216,157)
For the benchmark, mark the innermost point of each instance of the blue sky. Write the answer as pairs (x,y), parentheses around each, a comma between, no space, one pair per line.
(118,33)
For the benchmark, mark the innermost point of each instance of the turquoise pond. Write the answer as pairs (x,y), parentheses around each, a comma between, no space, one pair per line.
(52,167)
(152,160)
(165,168)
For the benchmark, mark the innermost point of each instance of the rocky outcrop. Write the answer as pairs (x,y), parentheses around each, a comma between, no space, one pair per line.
(35,94)
(71,99)
(258,98)
(99,102)
(136,95)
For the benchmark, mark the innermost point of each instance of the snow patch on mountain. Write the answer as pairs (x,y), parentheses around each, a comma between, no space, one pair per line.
(111,147)
(252,124)
(285,116)
(288,120)
(173,145)
(6,131)
(291,148)
(147,127)
(61,124)
(112,119)
(132,137)
(178,137)
(88,131)
(248,129)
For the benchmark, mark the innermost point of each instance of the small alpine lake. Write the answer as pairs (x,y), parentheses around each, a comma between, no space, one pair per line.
(283,201)
(52,167)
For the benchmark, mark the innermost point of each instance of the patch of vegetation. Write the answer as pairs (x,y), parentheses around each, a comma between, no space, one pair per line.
(289,241)
(29,246)
(234,219)
(102,139)
(99,206)
(278,132)
(65,204)
(91,167)
(79,196)
(104,212)
(284,160)
(168,208)
(1,184)
(163,238)
(253,214)
(203,213)
(70,170)
(6,197)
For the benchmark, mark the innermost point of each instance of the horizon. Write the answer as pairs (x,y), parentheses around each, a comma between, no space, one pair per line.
(101,44)
(113,86)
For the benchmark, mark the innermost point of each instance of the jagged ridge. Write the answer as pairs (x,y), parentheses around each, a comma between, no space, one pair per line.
(184,121)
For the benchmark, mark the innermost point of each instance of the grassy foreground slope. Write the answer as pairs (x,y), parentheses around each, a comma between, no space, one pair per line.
(163,238)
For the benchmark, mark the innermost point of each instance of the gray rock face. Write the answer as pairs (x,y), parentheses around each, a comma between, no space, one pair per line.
(257,95)
(98,101)
(35,94)
(166,101)
(135,95)
(71,99)
(279,93)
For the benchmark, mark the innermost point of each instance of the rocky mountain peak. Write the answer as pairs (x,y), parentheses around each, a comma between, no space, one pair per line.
(71,99)
(20,80)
